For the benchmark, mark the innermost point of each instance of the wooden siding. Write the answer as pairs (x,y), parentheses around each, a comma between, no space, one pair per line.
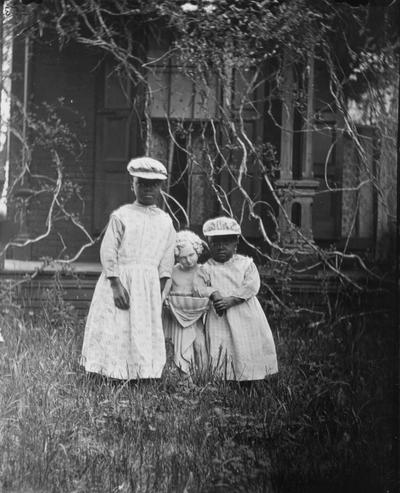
(310,291)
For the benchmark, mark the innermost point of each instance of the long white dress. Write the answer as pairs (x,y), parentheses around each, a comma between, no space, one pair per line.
(138,247)
(240,342)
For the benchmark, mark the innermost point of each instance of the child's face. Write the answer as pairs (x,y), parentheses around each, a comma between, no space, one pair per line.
(146,191)
(187,257)
(223,247)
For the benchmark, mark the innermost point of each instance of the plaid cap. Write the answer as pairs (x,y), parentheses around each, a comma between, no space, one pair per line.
(221,226)
(148,168)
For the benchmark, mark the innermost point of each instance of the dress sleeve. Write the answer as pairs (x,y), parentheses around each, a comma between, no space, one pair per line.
(202,283)
(168,259)
(110,246)
(250,285)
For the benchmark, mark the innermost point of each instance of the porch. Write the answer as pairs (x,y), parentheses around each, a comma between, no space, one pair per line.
(29,285)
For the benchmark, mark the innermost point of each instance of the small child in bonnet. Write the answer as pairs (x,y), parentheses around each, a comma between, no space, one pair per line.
(240,342)
(183,313)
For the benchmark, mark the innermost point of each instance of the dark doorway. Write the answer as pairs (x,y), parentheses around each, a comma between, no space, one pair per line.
(117,141)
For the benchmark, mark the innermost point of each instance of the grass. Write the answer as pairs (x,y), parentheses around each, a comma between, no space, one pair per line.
(323,424)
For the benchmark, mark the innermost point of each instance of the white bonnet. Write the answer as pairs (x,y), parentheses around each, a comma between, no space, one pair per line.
(186,237)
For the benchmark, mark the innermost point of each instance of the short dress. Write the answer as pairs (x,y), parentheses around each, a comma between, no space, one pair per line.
(240,342)
(183,325)
(138,247)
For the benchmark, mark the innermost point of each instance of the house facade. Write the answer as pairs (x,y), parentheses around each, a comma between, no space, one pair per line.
(323,180)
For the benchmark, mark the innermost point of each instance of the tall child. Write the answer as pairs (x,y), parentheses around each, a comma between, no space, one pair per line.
(183,315)
(240,342)
(123,337)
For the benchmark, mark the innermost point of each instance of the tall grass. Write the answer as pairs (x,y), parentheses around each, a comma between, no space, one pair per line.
(322,424)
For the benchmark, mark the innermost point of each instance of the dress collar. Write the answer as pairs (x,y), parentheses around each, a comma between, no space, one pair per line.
(230,261)
(144,207)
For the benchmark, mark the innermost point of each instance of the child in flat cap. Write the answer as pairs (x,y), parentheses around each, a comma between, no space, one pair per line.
(183,315)
(240,342)
(123,337)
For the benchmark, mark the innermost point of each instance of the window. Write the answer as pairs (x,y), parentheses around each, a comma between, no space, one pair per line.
(296,214)
(173,94)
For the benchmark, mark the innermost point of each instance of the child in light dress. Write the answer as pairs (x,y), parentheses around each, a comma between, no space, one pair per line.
(183,313)
(124,337)
(240,342)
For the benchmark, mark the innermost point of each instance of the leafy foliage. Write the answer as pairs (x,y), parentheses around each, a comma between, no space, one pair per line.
(243,48)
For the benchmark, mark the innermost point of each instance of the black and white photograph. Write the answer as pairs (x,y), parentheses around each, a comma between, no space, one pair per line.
(199,264)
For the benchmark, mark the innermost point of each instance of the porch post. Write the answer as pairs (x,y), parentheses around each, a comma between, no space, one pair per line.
(308,126)
(22,192)
(287,120)
(3,212)
(299,191)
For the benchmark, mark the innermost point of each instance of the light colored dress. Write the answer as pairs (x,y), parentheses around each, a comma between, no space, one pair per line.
(183,325)
(240,342)
(138,247)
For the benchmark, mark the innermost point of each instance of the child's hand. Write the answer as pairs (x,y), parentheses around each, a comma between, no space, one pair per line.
(224,303)
(121,296)
(216,298)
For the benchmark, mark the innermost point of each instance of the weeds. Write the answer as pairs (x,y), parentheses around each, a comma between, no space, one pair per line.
(322,424)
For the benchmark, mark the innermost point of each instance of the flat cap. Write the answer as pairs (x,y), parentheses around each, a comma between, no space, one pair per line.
(221,226)
(148,168)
